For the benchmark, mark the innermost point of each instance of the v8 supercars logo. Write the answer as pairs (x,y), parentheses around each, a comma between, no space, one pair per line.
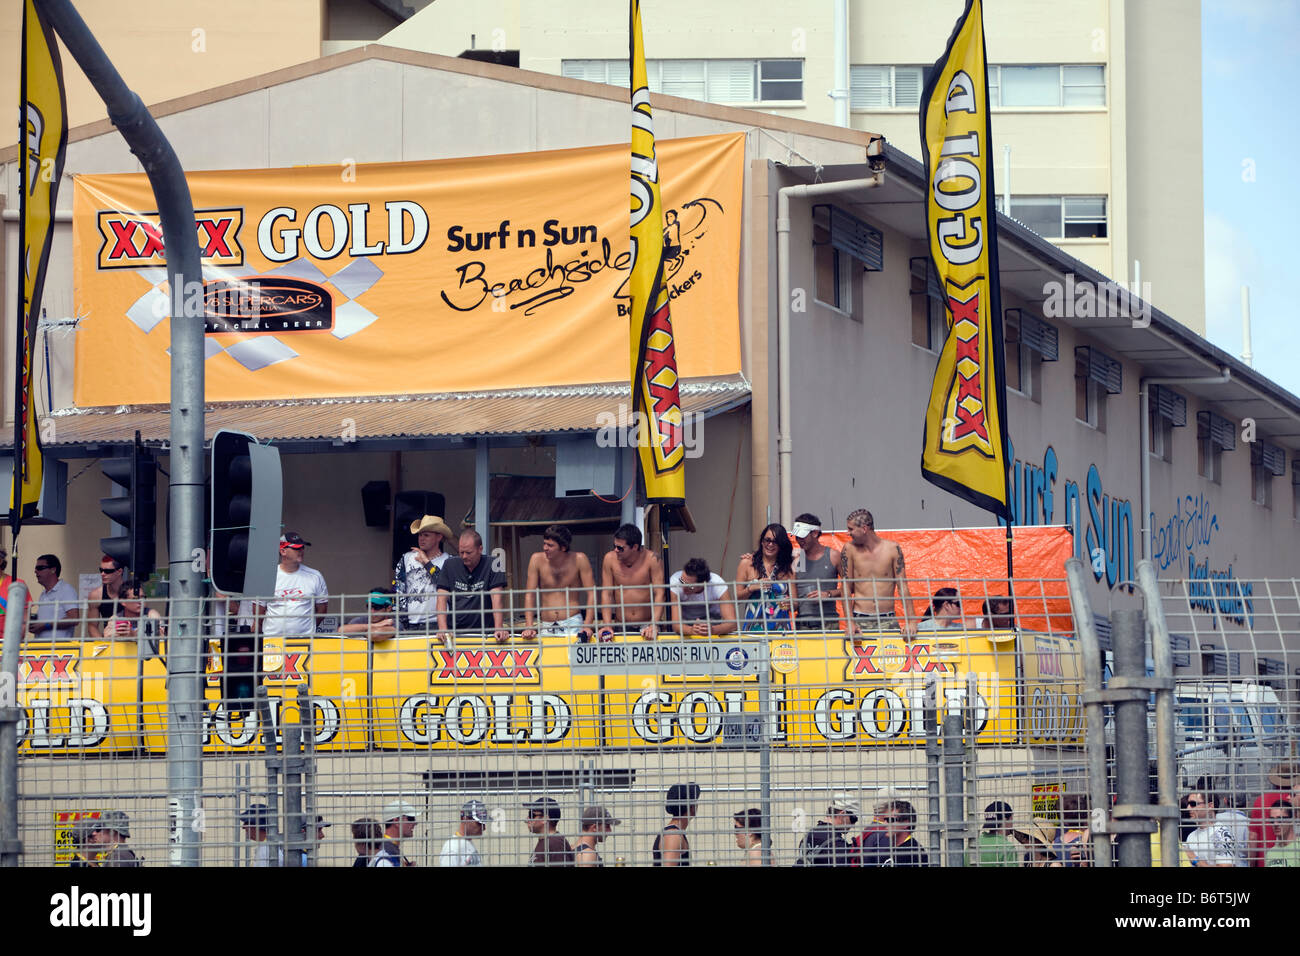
(135,240)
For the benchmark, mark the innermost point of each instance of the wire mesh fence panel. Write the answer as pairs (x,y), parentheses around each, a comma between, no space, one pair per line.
(675,726)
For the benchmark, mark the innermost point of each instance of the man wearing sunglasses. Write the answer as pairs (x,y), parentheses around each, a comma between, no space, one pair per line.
(894,844)
(300,593)
(55,616)
(1211,843)
(632,588)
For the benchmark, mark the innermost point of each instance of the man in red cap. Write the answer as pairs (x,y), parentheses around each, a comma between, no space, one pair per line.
(300,593)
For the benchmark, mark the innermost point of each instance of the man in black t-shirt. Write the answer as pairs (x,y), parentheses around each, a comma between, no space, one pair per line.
(552,849)
(464,585)
(894,845)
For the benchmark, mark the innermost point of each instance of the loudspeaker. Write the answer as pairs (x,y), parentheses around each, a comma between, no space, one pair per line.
(411,506)
(375,496)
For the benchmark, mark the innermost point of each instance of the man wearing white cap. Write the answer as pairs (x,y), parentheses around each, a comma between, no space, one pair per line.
(416,576)
(299,591)
(817,576)
(825,844)
(460,849)
(399,824)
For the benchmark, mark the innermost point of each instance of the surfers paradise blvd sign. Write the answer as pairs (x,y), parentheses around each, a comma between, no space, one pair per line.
(692,658)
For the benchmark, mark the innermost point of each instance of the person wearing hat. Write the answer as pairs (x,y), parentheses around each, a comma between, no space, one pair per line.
(671,848)
(552,849)
(994,847)
(817,577)
(85,847)
(399,824)
(825,844)
(256,821)
(597,824)
(415,578)
(111,833)
(460,849)
(379,622)
(300,594)
(1260,837)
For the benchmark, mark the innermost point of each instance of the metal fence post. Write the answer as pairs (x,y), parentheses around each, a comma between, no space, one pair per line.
(1095,738)
(954,749)
(1132,774)
(766,720)
(11,847)
(1166,759)
(292,843)
(272,762)
(307,720)
(932,754)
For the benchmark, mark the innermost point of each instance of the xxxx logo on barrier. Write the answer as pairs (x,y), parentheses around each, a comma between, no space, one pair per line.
(46,669)
(135,240)
(878,660)
(281,665)
(488,664)
(965,400)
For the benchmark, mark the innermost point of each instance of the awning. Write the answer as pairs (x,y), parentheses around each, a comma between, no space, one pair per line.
(394,421)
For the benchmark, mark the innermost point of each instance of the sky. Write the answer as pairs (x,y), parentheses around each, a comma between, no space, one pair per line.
(1249,54)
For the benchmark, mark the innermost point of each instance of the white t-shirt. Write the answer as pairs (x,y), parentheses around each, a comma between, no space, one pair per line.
(53,604)
(459,851)
(693,604)
(1215,845)
(293,611)
(417,588)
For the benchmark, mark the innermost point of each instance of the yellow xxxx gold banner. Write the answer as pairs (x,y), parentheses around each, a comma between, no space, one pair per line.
(654,347)
(43,140)
(964,450)
(448,275)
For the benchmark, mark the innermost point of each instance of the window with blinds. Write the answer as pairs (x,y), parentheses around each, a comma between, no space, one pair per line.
(874,87)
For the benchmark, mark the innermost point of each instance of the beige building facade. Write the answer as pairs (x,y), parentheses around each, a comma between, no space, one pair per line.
(1084,120)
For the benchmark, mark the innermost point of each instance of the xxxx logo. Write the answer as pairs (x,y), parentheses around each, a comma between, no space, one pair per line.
(965,402)
(135,240)
(486,664)
(292,666)
(868,660)
(38,669)
(660,395)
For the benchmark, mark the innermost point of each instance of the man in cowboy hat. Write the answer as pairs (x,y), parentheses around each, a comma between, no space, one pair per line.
(298,591)
(416,575)
(111,833)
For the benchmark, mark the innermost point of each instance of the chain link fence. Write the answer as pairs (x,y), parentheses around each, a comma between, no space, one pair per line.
(754,742)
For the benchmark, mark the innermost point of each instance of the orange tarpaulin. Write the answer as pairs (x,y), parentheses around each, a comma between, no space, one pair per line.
(974,561)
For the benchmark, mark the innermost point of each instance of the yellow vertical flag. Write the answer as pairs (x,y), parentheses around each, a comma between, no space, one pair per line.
(43,139)
(655,398)
(965,444)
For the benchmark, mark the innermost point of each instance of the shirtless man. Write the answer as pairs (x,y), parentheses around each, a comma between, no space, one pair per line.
(632,587)
(558,572)
(871,568)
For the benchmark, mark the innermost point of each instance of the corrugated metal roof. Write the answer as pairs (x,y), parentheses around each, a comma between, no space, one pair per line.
(530,411)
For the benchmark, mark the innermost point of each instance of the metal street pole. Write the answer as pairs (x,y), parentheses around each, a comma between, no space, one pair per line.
(185,546)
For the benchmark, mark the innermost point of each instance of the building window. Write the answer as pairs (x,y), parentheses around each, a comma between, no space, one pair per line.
(1096,376)
(1060,217)
(834,271)
(929,313)
(1214,435)
(1295,489)
(1166,410)
(1054,85)
(1028,342)
(844,247)
(886,87)
(1266,463)
(713,81)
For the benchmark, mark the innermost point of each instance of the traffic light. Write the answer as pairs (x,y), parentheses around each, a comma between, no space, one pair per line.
(245,513)
(136,510)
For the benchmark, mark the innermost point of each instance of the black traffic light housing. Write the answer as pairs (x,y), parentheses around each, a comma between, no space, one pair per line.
(245,515)
(136,511)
